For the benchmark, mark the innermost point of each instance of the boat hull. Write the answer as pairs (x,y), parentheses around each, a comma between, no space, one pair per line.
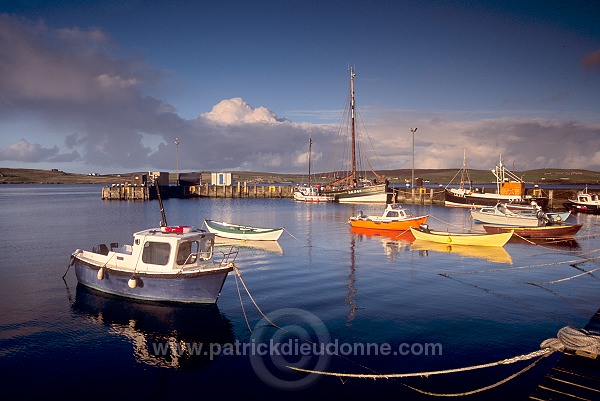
(478,239)
(312,198)
(400,225)
(512,220)
(548,232)
(243,232)
(368,194)
(475,199)
(575,207)
(195,287)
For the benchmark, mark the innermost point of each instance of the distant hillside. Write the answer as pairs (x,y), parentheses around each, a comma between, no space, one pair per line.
(33,176)
(432,176)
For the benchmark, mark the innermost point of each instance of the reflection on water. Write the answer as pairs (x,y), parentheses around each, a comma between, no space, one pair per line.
(265,246)
(392,241)
(496,254)
(167,335)
(566,244)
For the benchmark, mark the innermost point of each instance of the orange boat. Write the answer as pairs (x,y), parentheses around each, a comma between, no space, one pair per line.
(394,217)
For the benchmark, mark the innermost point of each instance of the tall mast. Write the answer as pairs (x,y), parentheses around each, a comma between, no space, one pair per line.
(309,151)
(353,175)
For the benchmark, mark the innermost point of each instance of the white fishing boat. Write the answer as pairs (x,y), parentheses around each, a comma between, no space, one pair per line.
(242,232)
(500,214)
(167,263)
(354,187)
(311,193)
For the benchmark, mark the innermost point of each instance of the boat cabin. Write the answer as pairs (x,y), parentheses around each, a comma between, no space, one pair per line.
(395,211)
(587,198)
(159,250)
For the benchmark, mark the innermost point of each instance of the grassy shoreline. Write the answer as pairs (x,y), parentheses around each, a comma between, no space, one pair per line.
(441,176)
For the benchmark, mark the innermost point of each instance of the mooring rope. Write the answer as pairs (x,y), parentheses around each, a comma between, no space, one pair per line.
(242,303)
(447,223)
(535,354)
(237,271)
(286,230)
(566,278)
(567,338)
(577,261)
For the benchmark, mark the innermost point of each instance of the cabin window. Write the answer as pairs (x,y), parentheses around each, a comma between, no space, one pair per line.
(205,249)
(188,252)
(392,214)
(156,253)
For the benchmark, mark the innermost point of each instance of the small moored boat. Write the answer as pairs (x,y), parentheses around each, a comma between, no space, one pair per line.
(480,239)
(168,263)
(394,217)
(503,214)
(241,232)
(584,203)
(549,232)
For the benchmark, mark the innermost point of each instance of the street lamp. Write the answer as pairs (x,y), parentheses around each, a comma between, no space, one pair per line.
(412,178)
(177,158)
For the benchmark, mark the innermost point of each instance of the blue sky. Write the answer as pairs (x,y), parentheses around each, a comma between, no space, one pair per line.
(107,86)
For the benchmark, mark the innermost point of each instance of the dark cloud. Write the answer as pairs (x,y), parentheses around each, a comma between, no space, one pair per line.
(73,83)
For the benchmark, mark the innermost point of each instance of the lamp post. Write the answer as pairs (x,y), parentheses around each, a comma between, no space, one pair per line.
(412,178)
(177,158)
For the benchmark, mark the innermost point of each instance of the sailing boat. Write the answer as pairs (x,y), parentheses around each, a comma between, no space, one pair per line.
(352,188)
(310,193)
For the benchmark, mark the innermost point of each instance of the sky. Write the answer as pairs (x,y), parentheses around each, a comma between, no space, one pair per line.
(108,86)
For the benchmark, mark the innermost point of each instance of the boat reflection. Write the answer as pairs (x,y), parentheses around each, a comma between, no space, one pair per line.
(168,335)
(495,254)
(564,243)
(405,236)
(266,246)
(392,241)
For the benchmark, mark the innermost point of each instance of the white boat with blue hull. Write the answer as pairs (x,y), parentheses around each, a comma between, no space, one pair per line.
(164,264)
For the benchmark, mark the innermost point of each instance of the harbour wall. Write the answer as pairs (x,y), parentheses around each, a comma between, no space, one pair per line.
(422,195)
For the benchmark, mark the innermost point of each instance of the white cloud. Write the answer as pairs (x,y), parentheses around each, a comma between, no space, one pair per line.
(237,111)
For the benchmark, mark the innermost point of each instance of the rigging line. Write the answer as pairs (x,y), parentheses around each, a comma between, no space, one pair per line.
(452,179)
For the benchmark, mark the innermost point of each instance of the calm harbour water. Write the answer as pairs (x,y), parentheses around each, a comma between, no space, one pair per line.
(324,284)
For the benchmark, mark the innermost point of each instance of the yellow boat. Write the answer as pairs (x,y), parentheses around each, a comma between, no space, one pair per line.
(394,217)
(423,233)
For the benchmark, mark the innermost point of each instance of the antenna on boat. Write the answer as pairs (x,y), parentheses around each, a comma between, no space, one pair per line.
(163,222)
